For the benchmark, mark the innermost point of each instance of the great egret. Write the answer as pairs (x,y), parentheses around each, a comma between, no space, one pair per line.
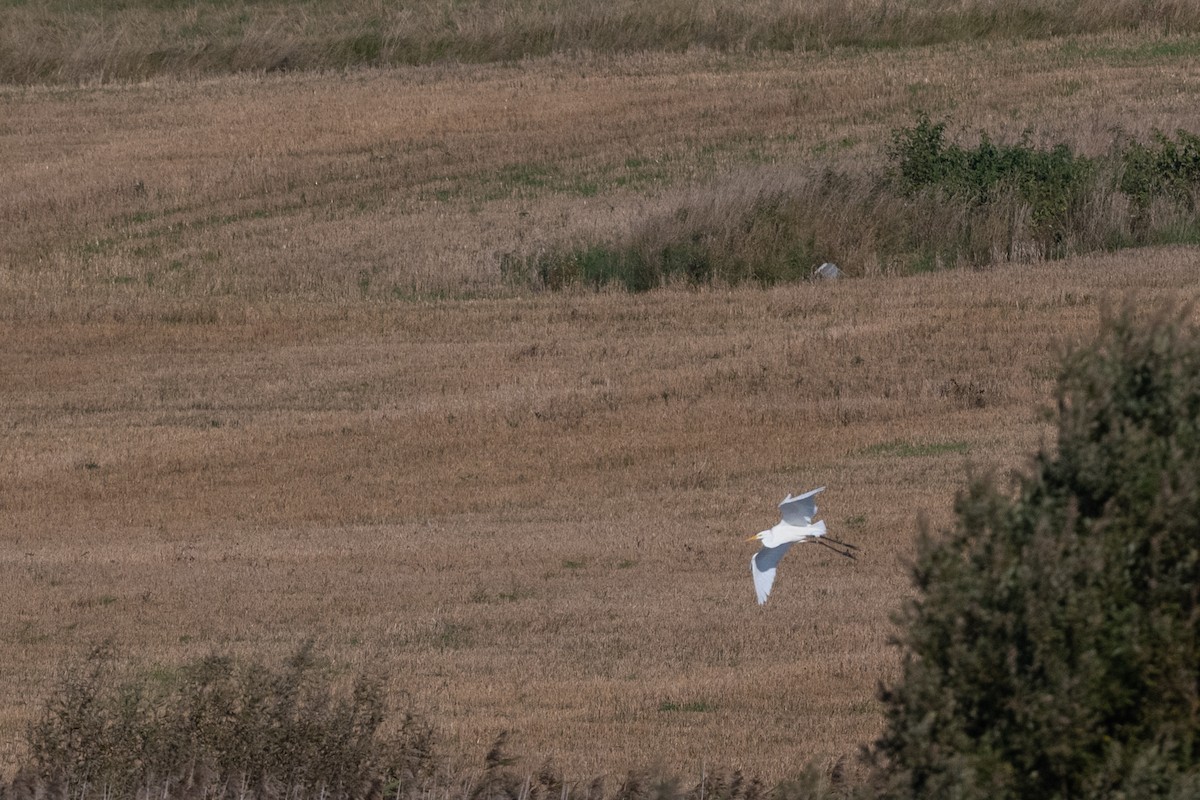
(796,526)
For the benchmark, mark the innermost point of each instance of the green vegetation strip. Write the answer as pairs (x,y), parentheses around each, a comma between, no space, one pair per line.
(901,449)
(939,204)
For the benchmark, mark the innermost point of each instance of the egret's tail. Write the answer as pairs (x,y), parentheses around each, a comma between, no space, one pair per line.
(818,528)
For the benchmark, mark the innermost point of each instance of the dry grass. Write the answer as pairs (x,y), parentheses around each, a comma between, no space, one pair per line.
(233,418)
(59,41)
(530,510)
(220,199)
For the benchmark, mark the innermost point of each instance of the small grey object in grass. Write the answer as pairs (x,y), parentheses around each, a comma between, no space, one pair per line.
(829,271)
(796,526)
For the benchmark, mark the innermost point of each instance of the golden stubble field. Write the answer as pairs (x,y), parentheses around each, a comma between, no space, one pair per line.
(262,381)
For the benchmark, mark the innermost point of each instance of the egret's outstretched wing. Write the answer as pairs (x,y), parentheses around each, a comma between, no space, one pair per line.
(762,567)
(800,510)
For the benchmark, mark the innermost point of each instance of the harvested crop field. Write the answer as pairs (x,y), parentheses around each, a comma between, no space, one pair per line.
(266,379)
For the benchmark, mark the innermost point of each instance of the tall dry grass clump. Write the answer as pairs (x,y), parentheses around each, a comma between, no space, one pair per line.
(59,42)
(219,727)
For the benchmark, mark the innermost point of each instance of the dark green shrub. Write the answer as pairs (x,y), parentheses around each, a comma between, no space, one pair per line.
(921,157)
(1165,169)
(1053,648)
(1053,182)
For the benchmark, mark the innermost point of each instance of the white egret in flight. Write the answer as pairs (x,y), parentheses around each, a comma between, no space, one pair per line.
(796,526)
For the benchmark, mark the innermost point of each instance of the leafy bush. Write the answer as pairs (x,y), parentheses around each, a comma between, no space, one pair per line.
(1052,182)
(1053,648)
(1165,168)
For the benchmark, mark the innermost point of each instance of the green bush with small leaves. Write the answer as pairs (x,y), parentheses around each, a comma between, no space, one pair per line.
(1053,182)
(1164,169)
(1053,646)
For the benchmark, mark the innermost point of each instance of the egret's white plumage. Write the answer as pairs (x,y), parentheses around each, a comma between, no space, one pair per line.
(796,525)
